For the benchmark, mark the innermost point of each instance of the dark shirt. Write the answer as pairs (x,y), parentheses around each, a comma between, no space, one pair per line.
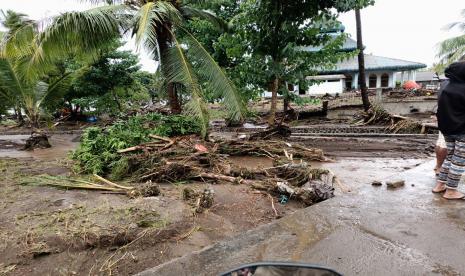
(451,104)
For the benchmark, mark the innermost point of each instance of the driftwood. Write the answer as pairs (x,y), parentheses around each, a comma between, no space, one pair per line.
(165,144)
(231,179)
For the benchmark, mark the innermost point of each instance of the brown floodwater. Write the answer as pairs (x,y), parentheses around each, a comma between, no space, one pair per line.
(10,147)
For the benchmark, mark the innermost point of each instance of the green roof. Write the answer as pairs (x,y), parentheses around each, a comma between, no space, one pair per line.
(348,46)
(374,63)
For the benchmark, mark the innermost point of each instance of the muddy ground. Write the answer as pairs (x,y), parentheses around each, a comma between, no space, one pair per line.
(48,231)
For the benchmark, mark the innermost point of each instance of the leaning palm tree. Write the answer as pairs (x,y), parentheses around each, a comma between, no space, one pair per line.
(453,49)
(156,25)
(28,92)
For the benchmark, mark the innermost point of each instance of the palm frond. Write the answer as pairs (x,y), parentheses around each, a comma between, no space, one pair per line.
(177,69)
(57,88)
(451,50)
(15,42)
(191,12)
(216,79)
(147,21)
(10,83)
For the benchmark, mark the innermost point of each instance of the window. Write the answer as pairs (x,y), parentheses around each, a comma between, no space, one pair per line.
(372,80)
(290,87)
(384,80)
(349,81)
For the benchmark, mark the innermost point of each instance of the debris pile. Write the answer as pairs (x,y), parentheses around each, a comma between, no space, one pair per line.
(377,115)
(189,158)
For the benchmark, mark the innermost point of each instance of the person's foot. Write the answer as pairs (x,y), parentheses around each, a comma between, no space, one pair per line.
(453,194)
(439,188)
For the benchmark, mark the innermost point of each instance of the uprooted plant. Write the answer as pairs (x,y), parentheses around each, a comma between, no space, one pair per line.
(98,151)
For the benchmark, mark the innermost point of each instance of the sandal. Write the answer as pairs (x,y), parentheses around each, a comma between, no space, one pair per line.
(459,198)
(439,192)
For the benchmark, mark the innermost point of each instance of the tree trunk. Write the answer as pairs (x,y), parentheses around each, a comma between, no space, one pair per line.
(173,99)
(361,63)
(115,98)
(19,115)
(274,101)
(164,38)
(286,104)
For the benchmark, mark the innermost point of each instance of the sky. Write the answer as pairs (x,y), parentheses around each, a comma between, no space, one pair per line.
(403,29)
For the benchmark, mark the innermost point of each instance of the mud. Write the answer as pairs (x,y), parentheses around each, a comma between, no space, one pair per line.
(62,144)
(47,231)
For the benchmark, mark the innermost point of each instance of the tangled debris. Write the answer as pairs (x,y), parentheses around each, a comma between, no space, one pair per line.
(200,201)
(377,115)
(188,158)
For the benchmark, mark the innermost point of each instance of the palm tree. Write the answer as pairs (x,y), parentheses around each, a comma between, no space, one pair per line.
(157,25)
(28,92)
(361,62)
(453,49)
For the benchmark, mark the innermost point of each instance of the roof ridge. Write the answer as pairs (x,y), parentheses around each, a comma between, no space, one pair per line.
(398,59)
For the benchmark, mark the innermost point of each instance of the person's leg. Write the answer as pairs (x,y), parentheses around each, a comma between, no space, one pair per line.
(441,153)
(444,172)
(456,170)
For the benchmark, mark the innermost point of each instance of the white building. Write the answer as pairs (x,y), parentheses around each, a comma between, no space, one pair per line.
(381,72)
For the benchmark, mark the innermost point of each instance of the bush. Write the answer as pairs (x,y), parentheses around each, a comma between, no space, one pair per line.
(97,152)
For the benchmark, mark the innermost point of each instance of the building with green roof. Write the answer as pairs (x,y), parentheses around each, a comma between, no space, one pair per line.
(381,72)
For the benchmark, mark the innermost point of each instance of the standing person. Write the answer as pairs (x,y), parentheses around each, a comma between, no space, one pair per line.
(451,122)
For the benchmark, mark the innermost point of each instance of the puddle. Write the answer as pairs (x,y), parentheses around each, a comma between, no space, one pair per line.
(10,146)
(358,172)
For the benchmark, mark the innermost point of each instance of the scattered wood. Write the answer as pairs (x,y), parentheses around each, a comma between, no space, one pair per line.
(231,179)
(108,182)
(160,138)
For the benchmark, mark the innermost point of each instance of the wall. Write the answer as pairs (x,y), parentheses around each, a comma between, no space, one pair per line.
(327,87)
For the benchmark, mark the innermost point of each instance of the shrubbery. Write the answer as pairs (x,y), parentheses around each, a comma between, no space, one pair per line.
(97,152)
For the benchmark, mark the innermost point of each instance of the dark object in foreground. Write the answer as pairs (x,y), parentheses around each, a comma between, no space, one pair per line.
(395,184)
(37,140)
(281,268)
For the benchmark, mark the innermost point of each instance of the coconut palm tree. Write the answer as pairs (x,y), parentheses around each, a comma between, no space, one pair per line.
(361,62)
(28,92)
(453,49)
(156,25)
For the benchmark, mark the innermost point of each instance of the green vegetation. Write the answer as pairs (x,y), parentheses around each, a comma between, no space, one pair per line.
(74,63)
(263,51)
(97,152)
(155,25)
(22,85)
(111,84)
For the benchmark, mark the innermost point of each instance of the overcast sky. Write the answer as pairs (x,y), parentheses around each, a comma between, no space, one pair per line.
(404,29)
